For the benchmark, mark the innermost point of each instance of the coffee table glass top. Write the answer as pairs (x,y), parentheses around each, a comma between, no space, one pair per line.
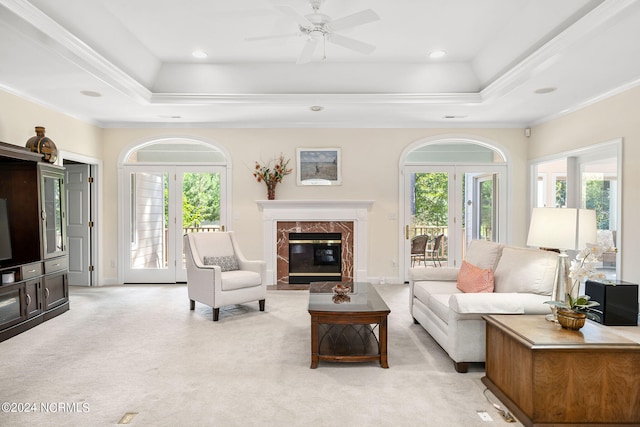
(362,297)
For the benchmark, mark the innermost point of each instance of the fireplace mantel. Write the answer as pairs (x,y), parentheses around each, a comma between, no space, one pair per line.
(315,210)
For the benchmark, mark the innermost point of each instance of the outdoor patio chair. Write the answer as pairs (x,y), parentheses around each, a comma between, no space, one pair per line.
(434,252)
(418,249)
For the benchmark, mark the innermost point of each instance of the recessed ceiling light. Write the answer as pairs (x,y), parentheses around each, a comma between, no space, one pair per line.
(200,54)
(91,93)
(316,108)
(544,90)
(436,54)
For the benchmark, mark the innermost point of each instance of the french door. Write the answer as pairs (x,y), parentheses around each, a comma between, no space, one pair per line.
(463,202)
(163,203)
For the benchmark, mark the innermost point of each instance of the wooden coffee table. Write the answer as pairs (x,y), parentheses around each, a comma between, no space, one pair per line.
(547,375)
(352,328)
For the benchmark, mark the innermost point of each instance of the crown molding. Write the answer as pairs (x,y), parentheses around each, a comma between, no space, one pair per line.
(53,35)
(539,60)
(339,98)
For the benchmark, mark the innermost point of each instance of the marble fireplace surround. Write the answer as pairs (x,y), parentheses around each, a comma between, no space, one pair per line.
(320,212)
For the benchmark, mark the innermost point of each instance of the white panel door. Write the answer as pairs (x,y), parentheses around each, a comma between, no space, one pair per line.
(78,220)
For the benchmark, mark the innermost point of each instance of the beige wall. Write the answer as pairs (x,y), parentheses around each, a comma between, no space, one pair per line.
(19,118)
(370,172)
(370,167)
(615,117)
(370,159)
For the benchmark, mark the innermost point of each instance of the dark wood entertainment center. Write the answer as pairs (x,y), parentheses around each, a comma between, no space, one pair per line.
(35,195)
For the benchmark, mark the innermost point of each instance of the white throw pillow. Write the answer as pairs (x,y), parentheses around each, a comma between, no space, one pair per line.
(525,270)
(483,254)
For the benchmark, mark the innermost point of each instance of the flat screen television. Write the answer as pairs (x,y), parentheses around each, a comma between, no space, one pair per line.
(5,238)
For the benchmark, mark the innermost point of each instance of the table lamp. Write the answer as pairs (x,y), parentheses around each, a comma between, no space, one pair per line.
(562,229)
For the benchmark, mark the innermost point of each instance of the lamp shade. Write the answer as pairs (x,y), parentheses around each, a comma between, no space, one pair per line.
(587,228)
(563,229)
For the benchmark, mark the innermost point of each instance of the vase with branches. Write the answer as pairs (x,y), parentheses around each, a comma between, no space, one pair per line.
(272,173)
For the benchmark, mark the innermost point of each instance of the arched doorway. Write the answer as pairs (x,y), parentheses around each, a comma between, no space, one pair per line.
(455,186)
(168,187)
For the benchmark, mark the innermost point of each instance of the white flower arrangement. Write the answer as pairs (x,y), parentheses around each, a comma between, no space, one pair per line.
(583,268)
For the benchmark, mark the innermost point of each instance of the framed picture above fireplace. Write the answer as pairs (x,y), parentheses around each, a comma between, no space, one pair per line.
(319,166)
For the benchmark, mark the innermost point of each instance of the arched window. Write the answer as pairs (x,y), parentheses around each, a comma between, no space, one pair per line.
(456,187)
(169,187)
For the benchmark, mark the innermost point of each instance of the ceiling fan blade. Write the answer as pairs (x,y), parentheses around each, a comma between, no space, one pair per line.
(301,20)
(307,51)
(350,43)
(359,18)
(274,36)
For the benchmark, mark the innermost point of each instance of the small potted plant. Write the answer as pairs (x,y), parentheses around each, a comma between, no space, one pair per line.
(574,310)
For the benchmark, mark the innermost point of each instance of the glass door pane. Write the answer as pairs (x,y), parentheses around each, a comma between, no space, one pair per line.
(148,258)
(54,221)
(484,212)
(599,183)
(200,210)
(148,220)
(430,211)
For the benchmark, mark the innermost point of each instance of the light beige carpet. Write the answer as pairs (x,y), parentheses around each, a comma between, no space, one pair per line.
(139,350)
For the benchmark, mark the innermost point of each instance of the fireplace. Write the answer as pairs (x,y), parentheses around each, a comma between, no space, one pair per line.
(315,257)
(283,217)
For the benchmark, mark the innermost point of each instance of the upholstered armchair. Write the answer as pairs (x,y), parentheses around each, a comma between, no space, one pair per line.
(219,275)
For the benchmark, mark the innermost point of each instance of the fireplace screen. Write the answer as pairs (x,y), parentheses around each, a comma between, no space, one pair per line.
(315,257)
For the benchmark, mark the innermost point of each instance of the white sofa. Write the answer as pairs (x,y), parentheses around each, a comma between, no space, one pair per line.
(523,281)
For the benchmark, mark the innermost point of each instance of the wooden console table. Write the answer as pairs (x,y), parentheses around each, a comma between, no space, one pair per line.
(547,375)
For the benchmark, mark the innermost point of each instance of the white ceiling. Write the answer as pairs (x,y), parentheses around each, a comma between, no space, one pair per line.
(137,56)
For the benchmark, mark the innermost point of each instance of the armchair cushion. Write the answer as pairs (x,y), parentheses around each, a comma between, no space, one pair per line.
(226,263)
(239,279)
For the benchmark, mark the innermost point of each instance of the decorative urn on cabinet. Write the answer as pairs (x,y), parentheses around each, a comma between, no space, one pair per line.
(44,145)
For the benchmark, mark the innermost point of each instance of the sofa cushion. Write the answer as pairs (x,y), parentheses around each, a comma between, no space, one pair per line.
(439,274)
(523,270)
(474,279)
(439,305)
(483,254)
(424,289)
(226,263)
(484,303)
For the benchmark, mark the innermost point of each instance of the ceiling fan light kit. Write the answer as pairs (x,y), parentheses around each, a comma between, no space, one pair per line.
(318,27)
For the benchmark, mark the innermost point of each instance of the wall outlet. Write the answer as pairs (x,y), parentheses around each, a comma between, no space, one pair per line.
(382,280)
(113,263)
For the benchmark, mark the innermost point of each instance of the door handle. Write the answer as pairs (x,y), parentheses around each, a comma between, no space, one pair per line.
(406,232)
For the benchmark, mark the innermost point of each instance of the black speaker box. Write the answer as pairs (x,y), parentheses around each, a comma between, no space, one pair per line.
(618,301)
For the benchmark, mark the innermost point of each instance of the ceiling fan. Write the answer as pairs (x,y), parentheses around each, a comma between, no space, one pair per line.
(317,27)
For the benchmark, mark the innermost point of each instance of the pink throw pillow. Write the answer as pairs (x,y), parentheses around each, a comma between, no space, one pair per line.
(474,279)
